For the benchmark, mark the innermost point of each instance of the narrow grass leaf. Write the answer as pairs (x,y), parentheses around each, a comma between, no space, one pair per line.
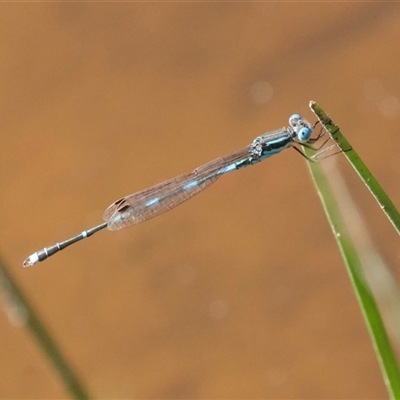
(376,328)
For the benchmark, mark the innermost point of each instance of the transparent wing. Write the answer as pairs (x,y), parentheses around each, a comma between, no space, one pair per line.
(151,202)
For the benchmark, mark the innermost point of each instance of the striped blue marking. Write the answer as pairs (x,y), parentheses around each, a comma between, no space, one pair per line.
(152,202)
(277,141)
(229,168)
(190,185)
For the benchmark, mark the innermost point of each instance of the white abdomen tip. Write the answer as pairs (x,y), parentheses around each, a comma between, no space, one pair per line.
(31,260)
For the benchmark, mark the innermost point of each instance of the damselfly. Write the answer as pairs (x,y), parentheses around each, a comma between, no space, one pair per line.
(149,203)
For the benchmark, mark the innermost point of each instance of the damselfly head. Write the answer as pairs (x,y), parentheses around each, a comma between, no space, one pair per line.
(301,128)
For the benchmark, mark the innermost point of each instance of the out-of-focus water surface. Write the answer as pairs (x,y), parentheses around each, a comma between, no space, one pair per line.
(240,292)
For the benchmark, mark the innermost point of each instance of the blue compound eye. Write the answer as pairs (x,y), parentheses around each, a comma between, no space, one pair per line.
(304,134)
(294,119)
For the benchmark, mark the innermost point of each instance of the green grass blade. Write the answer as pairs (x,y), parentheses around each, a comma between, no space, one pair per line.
(26,315)
(365,174)
(379,275)
(372,317)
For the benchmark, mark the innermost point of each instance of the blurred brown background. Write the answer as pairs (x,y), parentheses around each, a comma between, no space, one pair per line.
(240,292)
